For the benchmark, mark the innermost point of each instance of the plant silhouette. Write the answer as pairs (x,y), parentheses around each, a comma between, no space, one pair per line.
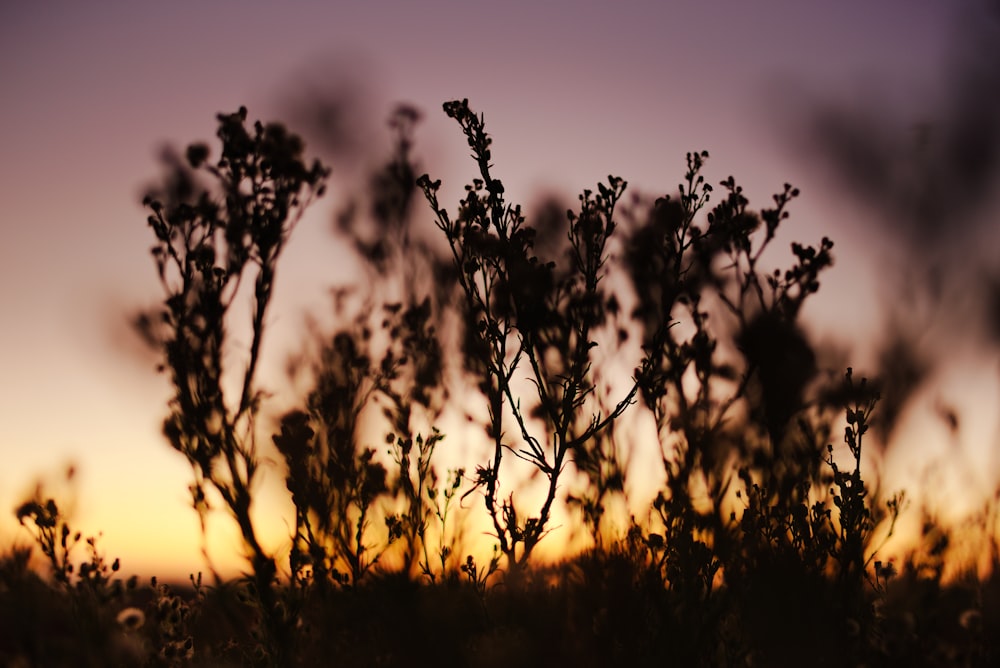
(527,316)
(762,544)
(208,241)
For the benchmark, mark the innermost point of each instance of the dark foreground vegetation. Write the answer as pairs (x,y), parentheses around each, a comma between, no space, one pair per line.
(546,339)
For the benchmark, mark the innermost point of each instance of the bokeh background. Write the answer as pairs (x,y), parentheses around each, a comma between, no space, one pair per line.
(883,112)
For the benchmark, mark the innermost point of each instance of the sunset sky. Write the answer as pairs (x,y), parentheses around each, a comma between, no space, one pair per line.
(91,92)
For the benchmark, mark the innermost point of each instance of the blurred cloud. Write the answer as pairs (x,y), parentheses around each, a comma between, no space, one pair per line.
(928,170)
(334,103)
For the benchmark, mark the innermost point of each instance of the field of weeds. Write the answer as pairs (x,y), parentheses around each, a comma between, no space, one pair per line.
(761,546)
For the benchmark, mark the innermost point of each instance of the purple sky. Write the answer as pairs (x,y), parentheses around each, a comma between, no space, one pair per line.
(571,91)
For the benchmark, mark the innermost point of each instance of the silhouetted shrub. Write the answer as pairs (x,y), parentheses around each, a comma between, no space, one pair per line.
(757,549)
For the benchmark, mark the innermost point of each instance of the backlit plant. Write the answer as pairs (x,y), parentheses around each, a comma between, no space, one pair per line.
(757,548)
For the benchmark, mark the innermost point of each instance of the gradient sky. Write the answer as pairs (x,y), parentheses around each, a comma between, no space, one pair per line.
(572,91)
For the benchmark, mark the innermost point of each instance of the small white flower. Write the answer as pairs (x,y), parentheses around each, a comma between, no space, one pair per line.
(131,618)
